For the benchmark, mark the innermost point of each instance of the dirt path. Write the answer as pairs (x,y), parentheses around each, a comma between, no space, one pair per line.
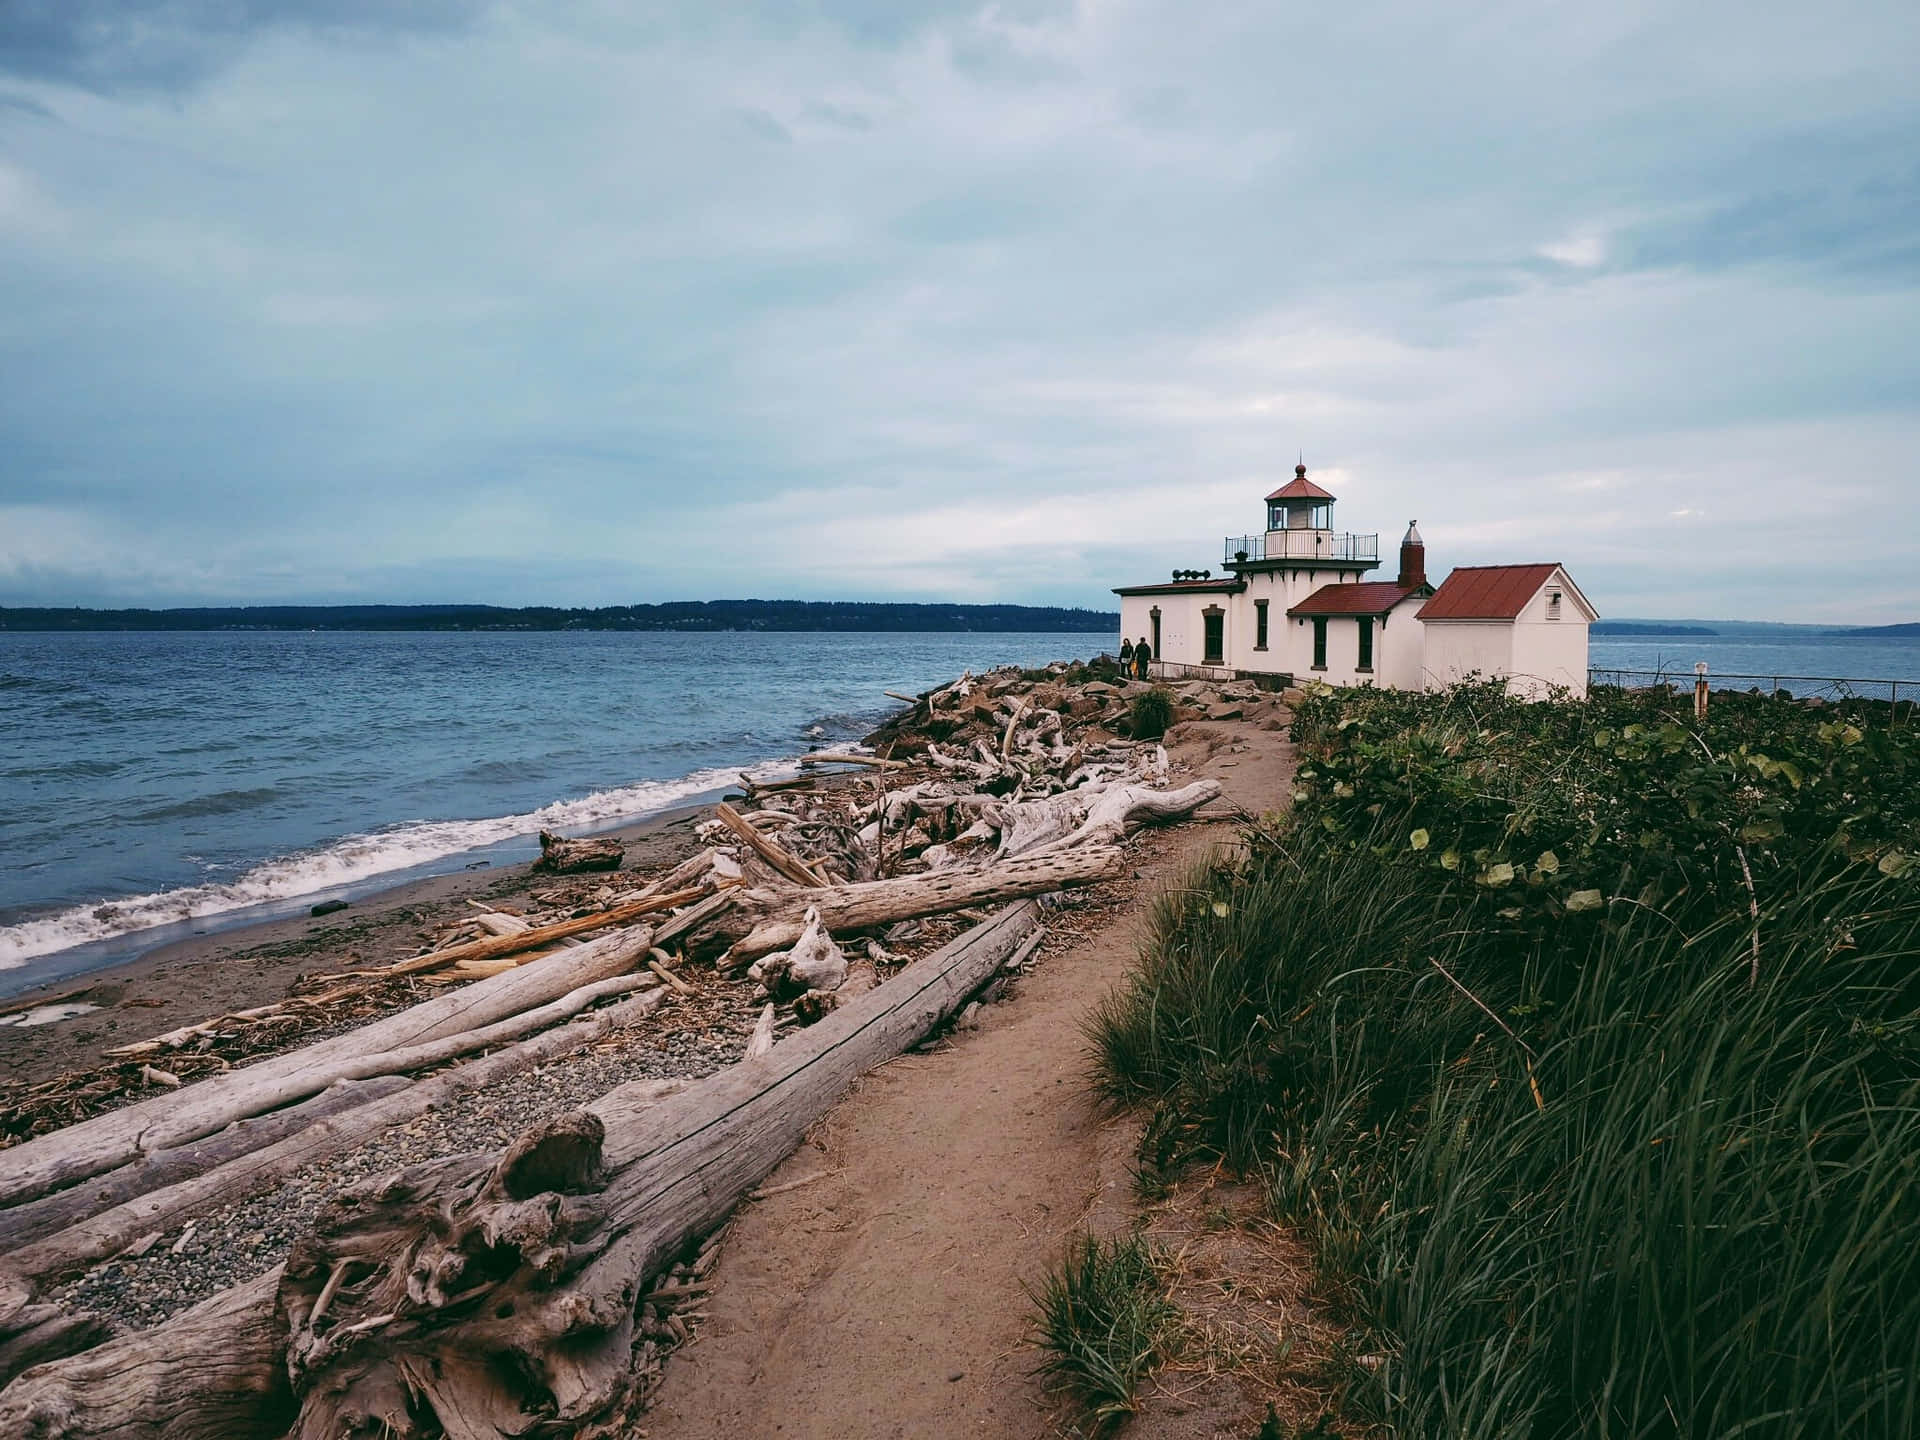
(884,1298)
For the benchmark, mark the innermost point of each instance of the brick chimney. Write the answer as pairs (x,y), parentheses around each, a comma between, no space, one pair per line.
(1413,556)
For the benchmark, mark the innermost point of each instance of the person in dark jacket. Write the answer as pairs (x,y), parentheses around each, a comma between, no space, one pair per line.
(1126,656)
(1143,657)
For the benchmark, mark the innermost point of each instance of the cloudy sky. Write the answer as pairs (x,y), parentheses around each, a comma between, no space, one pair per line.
(597,302)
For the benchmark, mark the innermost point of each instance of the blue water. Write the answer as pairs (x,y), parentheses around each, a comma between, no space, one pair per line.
(155,782)
(1882,658)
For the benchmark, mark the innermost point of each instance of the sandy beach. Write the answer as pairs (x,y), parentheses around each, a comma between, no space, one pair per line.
(981,1100)
(254,964)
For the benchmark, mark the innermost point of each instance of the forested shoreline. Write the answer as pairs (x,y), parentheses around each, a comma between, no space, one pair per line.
(673,615)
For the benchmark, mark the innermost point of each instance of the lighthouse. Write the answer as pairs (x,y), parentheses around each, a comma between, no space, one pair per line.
(1295,602)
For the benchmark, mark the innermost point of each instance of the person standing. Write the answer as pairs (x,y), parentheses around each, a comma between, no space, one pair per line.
(1126,656)
(1143,657)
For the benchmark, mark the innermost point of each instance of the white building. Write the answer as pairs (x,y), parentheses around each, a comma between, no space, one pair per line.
(1294,601)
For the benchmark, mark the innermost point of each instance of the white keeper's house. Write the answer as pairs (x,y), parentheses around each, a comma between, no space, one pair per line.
(1295,601)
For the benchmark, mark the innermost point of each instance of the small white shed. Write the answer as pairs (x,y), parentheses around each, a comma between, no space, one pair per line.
(1525,624)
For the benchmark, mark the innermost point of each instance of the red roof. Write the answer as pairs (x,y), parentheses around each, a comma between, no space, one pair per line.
(1299,488)
(1225,585)
(1487,592)
(1369,597)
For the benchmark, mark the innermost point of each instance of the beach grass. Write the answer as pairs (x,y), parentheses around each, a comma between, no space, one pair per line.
(1150,715)
(1104,1320)
(1566,1169)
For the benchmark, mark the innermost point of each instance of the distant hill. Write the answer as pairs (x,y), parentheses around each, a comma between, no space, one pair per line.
(675,615)
(1868,632)
(1650,627)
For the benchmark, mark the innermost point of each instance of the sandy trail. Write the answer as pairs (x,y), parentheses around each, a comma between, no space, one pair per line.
(884,1298)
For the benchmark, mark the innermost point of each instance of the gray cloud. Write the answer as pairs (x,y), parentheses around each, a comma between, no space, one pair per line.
(597,304)
(173,44)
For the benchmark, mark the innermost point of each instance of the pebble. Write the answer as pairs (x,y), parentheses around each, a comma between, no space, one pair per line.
(132,1292)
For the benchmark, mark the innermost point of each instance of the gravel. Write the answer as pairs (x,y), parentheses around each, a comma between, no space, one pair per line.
(230,1246)
(690,1038)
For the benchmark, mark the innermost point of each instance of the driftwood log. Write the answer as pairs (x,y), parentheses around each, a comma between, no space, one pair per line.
(1095,815)
(166,1167)
(101,1218)
(65,1157)
(560,856)
(492,1294)
(762,921)
(526,937)
(789,865)
(31,1334)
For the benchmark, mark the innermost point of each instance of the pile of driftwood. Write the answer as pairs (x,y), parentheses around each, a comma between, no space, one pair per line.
(497,1293)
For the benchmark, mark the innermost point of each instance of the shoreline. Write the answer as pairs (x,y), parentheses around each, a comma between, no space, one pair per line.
(254,962)
(56,972)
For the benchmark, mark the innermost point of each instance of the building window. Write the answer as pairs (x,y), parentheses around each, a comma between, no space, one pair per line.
(1214,622)
(1366,642)
(1259,624)
(1553,604)
(1319,642)
(1158,653)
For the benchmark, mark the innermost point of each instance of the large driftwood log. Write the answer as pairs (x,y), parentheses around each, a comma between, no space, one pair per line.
(560,856)
(33,1334)
(488,1294)
(1092,816)
(105,1142)
(166,1167)
(215,1372)
(174,1197)
(761,922)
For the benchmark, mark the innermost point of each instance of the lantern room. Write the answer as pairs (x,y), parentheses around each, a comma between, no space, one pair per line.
(1299,505)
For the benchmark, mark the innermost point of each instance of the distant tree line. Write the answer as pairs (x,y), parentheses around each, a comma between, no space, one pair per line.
(675,615)
(1630,627)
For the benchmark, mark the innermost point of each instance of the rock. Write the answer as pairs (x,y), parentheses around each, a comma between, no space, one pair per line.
(328,907)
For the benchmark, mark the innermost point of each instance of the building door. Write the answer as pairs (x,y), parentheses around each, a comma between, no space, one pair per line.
(1158,653)
(1216,630)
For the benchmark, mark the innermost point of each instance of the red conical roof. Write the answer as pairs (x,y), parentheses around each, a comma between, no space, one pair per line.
(1299,488)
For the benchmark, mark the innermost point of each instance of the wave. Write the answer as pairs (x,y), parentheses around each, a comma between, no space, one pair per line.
(225,802)
(355,859)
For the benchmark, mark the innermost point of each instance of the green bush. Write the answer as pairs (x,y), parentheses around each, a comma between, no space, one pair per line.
(1150,714)
(1105,1320)
(1571,1170)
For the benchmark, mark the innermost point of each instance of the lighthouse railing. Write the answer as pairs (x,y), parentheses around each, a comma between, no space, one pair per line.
(1301,545)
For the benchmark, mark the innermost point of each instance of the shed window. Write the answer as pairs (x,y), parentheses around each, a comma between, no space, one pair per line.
(1259,624)
(1320,642)
(1366,642)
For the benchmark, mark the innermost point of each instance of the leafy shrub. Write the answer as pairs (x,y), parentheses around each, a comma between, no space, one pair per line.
(1645,1166)
(1552,803)
(1150,714)
(1106,1320)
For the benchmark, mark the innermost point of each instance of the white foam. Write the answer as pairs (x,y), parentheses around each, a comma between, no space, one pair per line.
(354,859)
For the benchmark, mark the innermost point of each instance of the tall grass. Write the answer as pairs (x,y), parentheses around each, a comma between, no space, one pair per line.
(1582,1179)
(1104,1319)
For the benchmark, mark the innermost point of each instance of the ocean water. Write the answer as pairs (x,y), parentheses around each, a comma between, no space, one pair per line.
(1792,661)
(152,785)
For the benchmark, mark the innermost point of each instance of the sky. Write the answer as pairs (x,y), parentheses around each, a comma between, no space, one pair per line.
(597,303)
